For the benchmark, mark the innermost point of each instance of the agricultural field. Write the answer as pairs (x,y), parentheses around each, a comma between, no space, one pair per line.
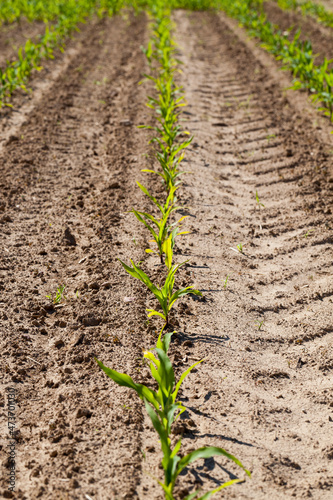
(166,249)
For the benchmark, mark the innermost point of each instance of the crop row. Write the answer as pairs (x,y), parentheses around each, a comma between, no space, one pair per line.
(315,10)
(72,12)
(46,10)
(65,16)
(162,405)
(32,10)
(295,55)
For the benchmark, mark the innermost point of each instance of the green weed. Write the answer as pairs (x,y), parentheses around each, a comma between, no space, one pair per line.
(59,296)
(260,324)
(258,201)
(226,281)
(308,233)
(240,247)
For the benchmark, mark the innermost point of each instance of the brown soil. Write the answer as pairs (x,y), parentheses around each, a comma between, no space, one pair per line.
(320,36)
(66,185)
(68,180)
(13,36)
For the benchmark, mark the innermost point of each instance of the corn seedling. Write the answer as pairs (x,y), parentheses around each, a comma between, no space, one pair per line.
(165,294)
(169,164)
(270,137)
(163,232)
(164,409)
(260,324)
(308,233)
(169,203)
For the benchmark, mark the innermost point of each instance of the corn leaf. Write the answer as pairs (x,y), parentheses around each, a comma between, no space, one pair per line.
(126,381)
(208,452)
(182,378)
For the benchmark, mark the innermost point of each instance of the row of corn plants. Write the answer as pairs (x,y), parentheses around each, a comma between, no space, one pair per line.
(193,5)
(71,13)
(308,8)
(162,405)
(32,10)
(295,55)
(12,11)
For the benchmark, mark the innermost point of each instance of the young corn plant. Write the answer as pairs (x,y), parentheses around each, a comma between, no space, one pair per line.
(164,409)
(170,167)
(161,230)
(166,107)
(163,233)
(168,129)
(165,295)
(169,203)
(59,295)
(168,101)
(258,201)
(240,248)
(225,283)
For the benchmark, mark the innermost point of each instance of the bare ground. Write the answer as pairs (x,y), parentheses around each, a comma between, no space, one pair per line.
(66,184)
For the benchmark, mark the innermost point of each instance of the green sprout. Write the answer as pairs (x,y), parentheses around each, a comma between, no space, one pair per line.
(226,281)
(308,233)
(260,324)
(59,296)
(258,201)
(240,247)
